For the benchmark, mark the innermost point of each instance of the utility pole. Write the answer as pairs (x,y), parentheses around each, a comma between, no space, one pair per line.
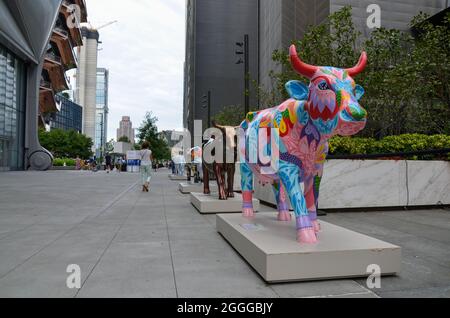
(247,76)
(243,49)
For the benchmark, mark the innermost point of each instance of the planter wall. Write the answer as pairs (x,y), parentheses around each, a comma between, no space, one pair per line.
(378,183)
(63,168)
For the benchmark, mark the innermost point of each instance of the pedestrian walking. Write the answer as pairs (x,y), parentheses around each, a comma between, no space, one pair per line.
(78,163)
(119,164)
(146,165)
(108,163)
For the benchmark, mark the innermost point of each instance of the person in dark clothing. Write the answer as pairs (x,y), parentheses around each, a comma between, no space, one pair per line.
(108,161)
(172,166)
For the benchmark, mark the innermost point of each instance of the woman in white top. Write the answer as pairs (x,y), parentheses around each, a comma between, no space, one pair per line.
(146,165)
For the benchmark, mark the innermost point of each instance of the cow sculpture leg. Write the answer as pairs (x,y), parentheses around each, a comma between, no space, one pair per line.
(206,189)
(189,172)
(231,169)
(282,203)
(219,171)
(247,190)
(289,174)
(311,201)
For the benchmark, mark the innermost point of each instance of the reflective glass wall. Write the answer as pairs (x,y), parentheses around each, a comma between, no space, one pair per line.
(101,121)
(12,111)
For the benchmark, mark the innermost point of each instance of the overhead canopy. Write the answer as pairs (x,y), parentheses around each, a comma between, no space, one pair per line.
(26,25)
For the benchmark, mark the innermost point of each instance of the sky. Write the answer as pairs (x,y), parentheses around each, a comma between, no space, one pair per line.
(144,52)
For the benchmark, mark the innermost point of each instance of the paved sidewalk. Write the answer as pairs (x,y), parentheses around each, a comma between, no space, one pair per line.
(134,244)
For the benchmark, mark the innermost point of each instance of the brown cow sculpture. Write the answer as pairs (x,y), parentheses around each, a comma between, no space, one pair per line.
(223,171)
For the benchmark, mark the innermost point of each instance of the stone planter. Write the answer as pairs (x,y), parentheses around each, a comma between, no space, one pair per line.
(379,183)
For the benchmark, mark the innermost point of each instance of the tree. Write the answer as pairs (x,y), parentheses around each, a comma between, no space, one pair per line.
(319,46)
(66,144)
(110,146)
(232,115)
(149,132)
(124,139)
(407,79)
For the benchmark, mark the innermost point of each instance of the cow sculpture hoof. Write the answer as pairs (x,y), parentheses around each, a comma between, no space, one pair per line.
(284,216)
(316,225)
(307,236)
(248,213)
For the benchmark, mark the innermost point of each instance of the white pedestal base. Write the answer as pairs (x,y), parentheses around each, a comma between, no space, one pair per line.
(270,247)
(186,187)
(210,204)
(177,178)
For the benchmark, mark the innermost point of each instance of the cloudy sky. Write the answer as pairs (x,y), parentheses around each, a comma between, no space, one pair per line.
(144,53)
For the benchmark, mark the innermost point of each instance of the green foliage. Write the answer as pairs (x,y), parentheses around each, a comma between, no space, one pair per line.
(124,139)
(232,115)
(59,162)
(390,144)
(319,46)
(149,132)
(66,144)
(110,146)
(407,80)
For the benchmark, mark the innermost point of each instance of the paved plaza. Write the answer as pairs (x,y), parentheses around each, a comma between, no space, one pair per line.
(134,244)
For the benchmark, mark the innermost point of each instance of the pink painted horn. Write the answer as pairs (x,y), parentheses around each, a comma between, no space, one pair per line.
(301,67)
(359,68)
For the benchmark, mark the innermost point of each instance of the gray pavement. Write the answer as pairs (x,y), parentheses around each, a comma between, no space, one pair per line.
(134,244)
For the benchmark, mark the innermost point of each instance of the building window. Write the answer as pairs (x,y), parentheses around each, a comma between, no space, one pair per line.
(70,116)
(12,111)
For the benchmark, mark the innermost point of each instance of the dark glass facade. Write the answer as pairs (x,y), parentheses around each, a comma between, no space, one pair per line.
(12,111)
(70,117)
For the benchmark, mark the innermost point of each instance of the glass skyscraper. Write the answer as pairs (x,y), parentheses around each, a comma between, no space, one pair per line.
(12,111)
(101,119)
(70,117)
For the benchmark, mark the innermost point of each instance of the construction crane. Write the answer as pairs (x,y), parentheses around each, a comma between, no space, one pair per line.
(90,26)
(106,24)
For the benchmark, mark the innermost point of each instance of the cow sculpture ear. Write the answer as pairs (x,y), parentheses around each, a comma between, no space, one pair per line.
(297,90)
(359,92)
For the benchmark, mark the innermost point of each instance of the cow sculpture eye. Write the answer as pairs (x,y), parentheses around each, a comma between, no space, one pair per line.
(323,86)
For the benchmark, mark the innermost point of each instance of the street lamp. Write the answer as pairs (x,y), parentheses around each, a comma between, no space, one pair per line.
(206,103)
(243,49)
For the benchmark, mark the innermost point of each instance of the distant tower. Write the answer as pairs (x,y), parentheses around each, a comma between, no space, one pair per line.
(126,129)
(87,79)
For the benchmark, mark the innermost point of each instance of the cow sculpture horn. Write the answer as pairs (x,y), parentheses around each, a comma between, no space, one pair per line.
(359,68)
(300,66)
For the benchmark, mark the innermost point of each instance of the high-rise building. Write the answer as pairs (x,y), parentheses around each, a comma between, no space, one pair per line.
(281,22)
(126,129)
(31,48)
(86,80)
(69,117)
(213,29)
(101,121)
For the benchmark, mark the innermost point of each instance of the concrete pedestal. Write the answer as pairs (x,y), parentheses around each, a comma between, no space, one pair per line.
(177,178)
(187,187)
(270,247)
(210,204)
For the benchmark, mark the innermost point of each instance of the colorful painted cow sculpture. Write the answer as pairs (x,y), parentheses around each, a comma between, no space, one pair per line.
(305,123)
